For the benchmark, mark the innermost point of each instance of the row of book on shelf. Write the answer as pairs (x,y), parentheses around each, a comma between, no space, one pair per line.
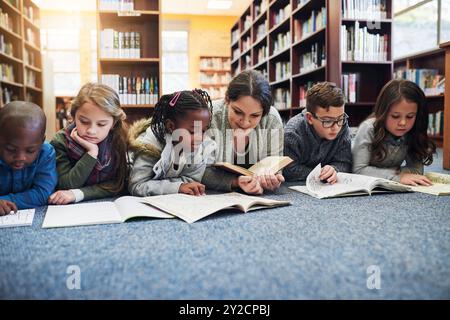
(282,41)
(7,95)
(316,21)
(215,78)
(215,63)
(313,59)
(30,78)
(358,44)
(116,5)
(5,46)
(246,44)
(364,9)
(116,44)
(281,14)
(282,70)
(281,98)
(436,123)
(133,90)
(350,86)
(247,22)
(6,21)
(261,30)
(7,72)
(215,93)
(431,82)
(261,7)
(262,53)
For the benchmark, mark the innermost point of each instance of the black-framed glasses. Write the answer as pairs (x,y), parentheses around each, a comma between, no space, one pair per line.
(341,121)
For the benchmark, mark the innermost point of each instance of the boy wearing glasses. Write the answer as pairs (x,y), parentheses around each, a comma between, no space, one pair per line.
(319,134)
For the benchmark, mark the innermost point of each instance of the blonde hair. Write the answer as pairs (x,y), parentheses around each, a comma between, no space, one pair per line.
(107,99)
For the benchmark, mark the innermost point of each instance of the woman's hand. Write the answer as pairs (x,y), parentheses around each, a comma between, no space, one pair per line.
(90,147)
(412,179)
(61,197)
(249,185)
(192,188)
(270,181)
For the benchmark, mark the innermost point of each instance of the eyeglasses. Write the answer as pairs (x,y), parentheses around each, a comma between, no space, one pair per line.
(329,123)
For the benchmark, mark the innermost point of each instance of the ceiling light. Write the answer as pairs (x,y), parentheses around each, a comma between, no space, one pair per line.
(219,4)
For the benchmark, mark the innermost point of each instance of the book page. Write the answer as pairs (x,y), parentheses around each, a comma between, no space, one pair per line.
(273,164)
(346,183)
(192,208)
(438,177)
(19,219)
(81,214)
(437,189)
(132,207)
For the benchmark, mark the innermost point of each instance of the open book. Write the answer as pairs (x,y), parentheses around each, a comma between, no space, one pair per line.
(192,208)
(440,187)
(91,213)
(272,164)
(21,218)
(348,184)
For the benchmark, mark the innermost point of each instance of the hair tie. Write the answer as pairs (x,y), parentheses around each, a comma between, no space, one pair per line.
(174,100)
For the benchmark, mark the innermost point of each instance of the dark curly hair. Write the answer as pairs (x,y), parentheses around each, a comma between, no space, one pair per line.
(170,107)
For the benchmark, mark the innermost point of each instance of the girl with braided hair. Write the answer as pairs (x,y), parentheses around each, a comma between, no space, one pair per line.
(170,153)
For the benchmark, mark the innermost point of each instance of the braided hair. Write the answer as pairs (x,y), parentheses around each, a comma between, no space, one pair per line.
(175,106)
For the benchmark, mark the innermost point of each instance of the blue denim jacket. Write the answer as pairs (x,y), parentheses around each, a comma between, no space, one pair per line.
(31,186)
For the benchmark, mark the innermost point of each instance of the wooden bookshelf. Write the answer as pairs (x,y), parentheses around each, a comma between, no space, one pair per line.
(430,59)
(215,75)
(20,52)
(138,65)
(446,138)
(288,45)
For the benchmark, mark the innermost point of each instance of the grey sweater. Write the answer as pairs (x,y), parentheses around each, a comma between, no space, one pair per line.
(307,149)
(265,140)
(391,166)
(153,171)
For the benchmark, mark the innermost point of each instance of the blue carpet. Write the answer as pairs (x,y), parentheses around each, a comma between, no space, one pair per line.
(314,249)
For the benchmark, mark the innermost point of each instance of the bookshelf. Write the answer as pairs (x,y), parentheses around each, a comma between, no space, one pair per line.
(215,75)
(296,43)
(426,69)
(129,53)
(446,138)
(20,53)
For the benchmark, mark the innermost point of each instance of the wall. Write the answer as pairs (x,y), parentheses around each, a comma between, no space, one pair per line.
(208,35)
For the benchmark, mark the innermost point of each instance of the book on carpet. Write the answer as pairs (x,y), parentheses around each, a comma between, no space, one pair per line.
(104,212)
(440,187)
(22,218)
(192,208)
(348,184)
(272,164)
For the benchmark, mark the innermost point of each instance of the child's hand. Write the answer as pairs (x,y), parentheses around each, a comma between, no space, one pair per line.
(414,179)
(90,147)
(270,181)
(192,188)
(6,207)
(328,174)
(62,197)
(250,185)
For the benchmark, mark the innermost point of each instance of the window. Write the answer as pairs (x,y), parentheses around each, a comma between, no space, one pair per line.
(62,47)
(416,25)
(175,63)
(64,42)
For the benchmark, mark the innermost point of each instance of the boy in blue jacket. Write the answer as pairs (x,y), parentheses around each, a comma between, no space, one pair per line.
(27,163)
